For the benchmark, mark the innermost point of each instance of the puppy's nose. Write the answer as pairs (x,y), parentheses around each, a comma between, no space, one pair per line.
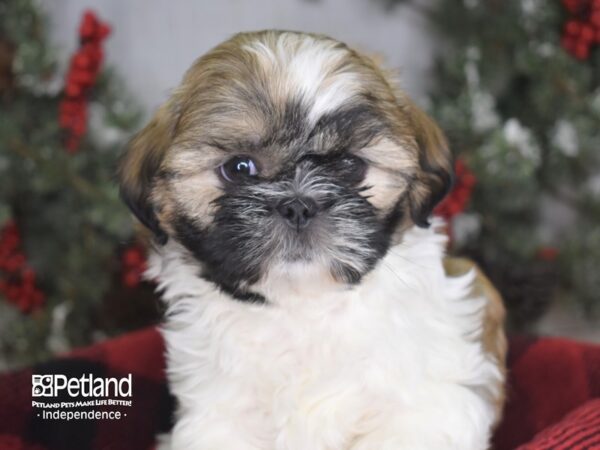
(297,211)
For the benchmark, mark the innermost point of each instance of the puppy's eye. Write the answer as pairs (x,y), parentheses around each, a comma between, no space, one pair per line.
(353,168)
(237,168)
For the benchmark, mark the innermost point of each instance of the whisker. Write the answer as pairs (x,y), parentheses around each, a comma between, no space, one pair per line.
(404,258)
(389,267)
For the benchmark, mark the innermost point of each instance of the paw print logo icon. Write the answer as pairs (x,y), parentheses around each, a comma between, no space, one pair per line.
(42,386)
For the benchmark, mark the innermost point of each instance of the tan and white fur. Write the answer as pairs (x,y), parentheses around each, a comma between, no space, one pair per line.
(347,335)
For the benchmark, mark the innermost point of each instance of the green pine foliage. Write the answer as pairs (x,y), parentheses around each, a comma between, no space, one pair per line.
(522,112)
(525,114)
(66,206)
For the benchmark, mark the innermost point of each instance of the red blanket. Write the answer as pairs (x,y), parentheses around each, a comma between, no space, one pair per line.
(551,390)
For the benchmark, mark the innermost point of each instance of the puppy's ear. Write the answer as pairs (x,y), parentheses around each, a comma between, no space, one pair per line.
(435,175)
(139,166)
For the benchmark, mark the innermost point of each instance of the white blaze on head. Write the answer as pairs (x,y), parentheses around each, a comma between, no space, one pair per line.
(308,68)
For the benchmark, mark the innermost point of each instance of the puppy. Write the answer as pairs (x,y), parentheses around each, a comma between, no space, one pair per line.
(288,186)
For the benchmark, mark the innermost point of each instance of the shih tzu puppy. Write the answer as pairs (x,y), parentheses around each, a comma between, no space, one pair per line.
(288,187)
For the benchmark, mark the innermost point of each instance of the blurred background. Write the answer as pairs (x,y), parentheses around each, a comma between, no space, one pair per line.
(515,85)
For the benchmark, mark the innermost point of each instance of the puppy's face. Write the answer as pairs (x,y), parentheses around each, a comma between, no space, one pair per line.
(283,150)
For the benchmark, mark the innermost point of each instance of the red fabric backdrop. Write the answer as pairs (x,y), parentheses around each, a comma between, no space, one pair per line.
(551,390)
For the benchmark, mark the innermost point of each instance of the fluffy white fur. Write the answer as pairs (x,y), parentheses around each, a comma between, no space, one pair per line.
(392,364)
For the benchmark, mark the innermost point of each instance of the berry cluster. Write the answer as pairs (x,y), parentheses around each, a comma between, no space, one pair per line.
(581,32)
(17,279)
(81,77)
(458,199)
(133,263)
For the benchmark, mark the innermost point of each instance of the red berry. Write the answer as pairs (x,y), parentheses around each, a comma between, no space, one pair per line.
(103,30)
(587,33)
(133,256)
(73,90)
(573,27)
(81,60)
(131,279)
(29,275)
(582,50)
(571,5)
(85,79)
(88,25)
(16,262)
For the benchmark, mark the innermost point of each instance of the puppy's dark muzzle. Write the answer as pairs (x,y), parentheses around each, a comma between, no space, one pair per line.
(297,211)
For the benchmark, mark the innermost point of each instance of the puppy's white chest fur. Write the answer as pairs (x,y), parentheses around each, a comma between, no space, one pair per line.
(394,363)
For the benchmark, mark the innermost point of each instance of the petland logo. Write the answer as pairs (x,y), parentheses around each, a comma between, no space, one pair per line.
(85,386)
(59,397)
